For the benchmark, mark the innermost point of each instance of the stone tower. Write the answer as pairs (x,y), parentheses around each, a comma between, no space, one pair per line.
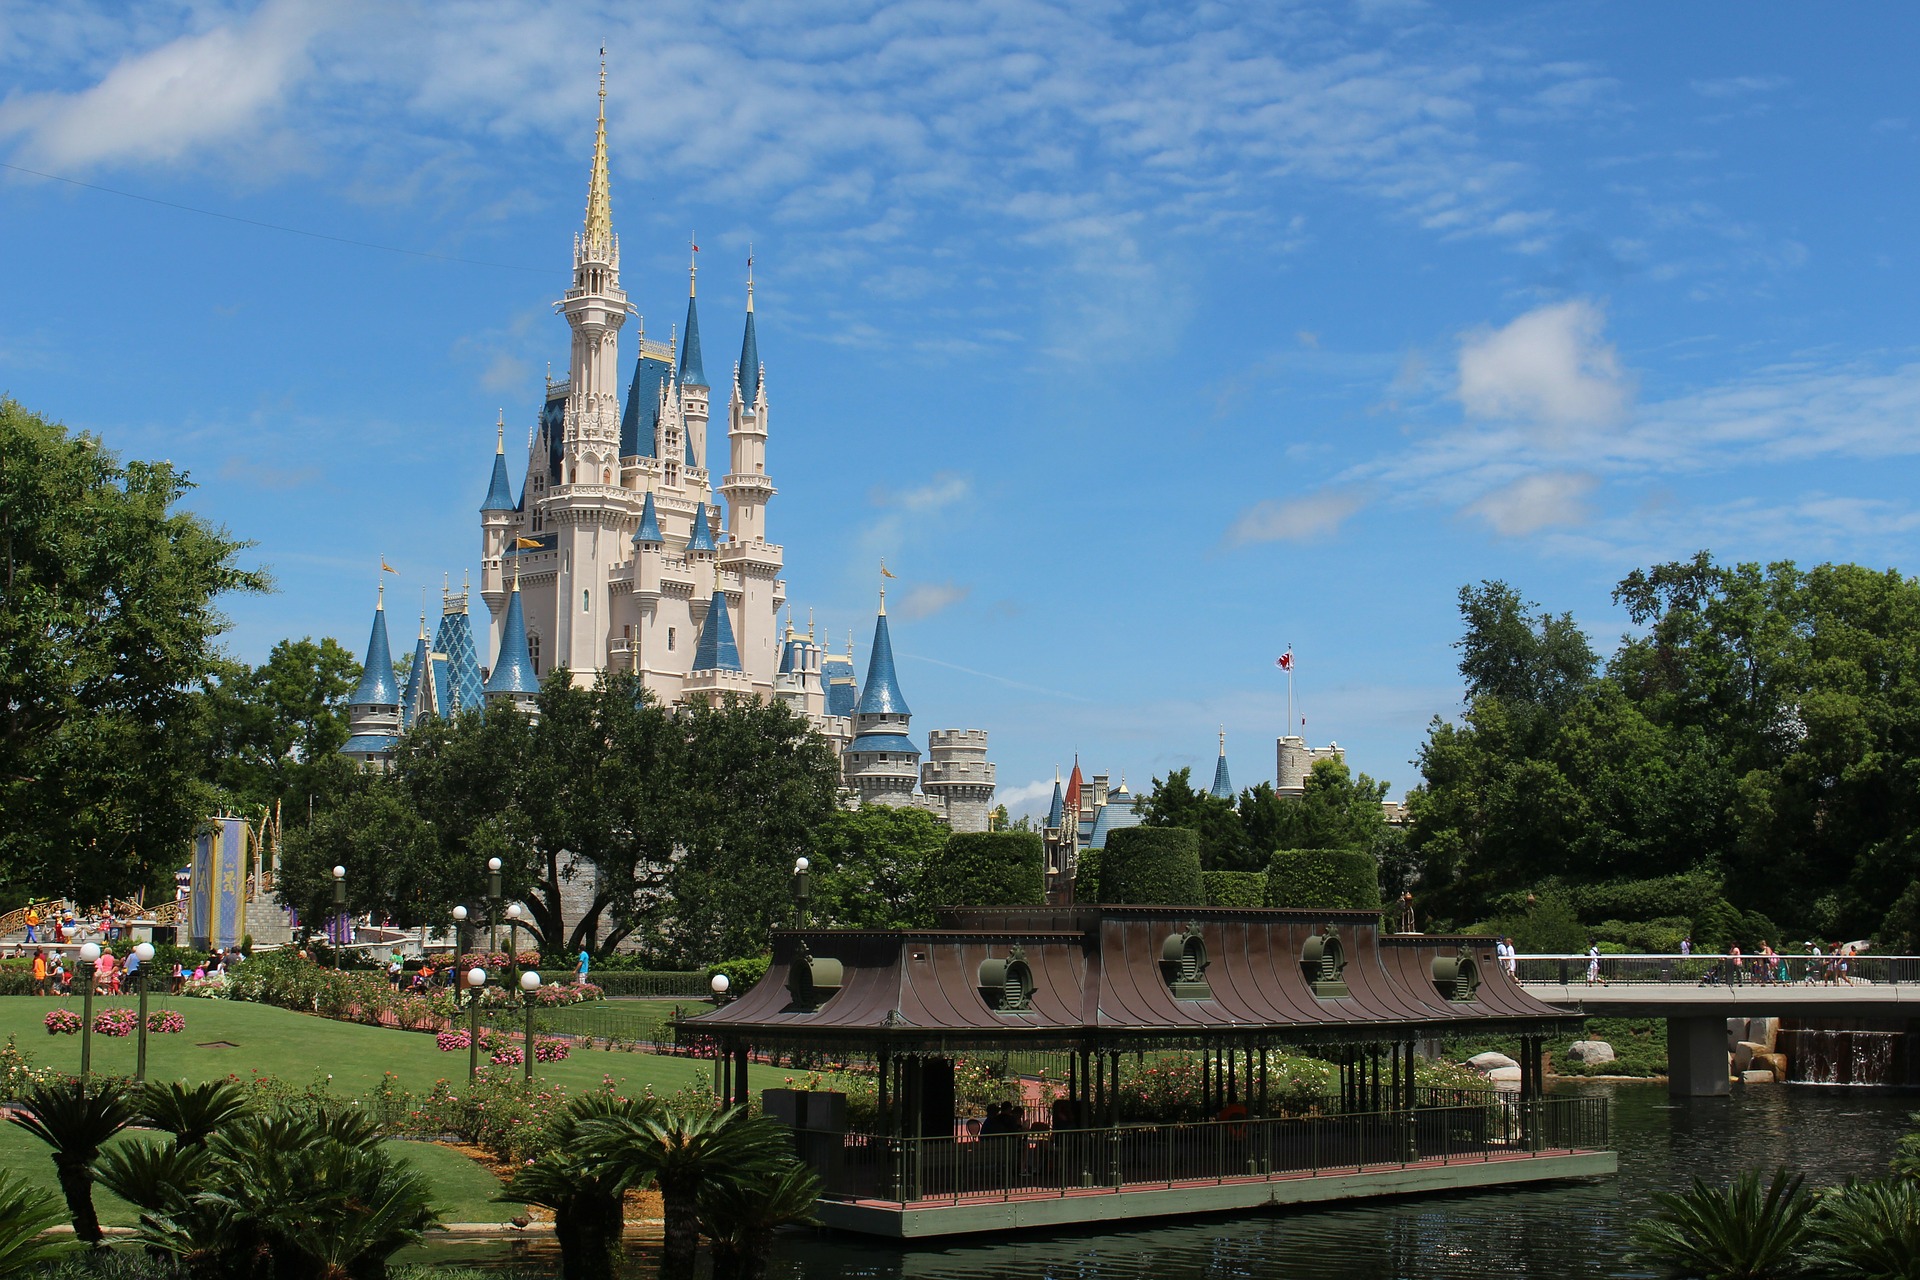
(958,776)
(881,764)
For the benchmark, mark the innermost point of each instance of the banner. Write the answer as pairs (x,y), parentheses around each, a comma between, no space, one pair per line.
(219,872)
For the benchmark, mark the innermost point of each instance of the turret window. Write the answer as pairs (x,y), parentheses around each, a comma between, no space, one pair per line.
(672,637)
(533,651)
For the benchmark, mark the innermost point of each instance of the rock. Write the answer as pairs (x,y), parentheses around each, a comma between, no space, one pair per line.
(1773,1062)
(1490,1061)
(1736,1032)
(1744,1054)
(1757,1076)
(1505,1077)
(1590,1052)
(1764,1032)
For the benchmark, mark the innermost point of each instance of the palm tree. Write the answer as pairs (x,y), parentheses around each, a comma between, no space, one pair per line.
(192,1112)
(155,1176)
(1869,1231)
(741,1215)
(682,1155)
(75,1119)
(1736,1232)
(25,1215)
(584,1192)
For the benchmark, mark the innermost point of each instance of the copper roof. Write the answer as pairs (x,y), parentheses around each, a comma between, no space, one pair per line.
(1098,978)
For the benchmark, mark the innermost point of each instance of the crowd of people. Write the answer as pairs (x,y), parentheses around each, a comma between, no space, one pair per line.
(54,971)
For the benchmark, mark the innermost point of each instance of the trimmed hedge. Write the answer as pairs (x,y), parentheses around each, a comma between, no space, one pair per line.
(1236,888)
(743,974)
(990,869)
(1152,866)
(1086,876)
(1337,879)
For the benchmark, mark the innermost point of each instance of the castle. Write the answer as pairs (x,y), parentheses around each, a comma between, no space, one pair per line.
(614,555)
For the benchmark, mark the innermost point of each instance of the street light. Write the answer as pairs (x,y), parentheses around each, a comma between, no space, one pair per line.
(720,984)
(89,952)
(513,934)
(493,896)
(339,908)
(529,990)
(144,951)
(476,980)
(459,933)
(802,892)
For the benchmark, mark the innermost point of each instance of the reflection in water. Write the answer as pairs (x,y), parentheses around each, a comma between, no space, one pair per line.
(1566,1231)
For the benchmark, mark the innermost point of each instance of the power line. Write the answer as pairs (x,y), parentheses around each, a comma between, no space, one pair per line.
(267,226)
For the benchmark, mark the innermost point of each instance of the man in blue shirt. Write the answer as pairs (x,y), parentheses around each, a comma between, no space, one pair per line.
(586,963)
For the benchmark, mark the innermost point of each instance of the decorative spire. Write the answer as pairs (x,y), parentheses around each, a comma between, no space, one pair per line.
(377,687)
(880,696)
(649,530)
(1057,806)
(716,650)
(499,486)
(1222,782)
(702,536)
(513,666)
(747,377)
(692,372)
(599,232)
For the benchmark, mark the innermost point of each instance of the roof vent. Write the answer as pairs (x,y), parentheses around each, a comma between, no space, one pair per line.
(812,981)
(1183,962)
(1456,977)
(1007,985)
(1323,961)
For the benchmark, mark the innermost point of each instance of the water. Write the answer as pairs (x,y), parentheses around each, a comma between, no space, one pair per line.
(1575,1231)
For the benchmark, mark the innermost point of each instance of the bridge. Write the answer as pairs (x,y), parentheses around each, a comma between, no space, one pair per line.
(1696,994)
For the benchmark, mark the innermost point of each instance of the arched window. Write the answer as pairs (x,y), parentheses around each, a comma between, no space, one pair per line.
(533,650)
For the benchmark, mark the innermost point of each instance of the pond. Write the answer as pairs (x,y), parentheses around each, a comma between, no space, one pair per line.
(1576,1231)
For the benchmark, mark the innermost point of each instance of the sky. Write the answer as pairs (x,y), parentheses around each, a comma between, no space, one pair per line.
(1145,343)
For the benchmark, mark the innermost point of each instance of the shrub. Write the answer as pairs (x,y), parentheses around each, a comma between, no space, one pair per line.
(1740,1230)
(1332,879)
(989,869)
(1236,888)
(1867,1230)
(1086,876)
(744,974)
(1152,866)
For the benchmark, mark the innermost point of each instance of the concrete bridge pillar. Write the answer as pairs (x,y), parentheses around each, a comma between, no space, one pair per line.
(1697,1058)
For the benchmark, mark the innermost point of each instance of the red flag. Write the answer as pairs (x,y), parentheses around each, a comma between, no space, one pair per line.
(1284,661)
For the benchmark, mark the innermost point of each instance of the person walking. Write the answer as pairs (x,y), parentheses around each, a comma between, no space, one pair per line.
(1593,964)
(33,924)
(584,966)
(39,973)
(105,977)
(133,963)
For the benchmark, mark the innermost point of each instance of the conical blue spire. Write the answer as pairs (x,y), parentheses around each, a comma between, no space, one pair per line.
(642,412)
(1057,809)
(500,488)
(702,538)
(513,666)
(649,530)
(1222,781)
(748,376)
(377,687)
(717,651)
(691,372)
(881,694)
(418,696)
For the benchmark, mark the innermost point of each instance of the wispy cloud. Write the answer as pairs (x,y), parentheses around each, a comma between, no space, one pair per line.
(1737,86)
(1532,503)
(1302,519)
(923,600)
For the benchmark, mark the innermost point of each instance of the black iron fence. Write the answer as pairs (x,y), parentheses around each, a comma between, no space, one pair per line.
(1786,969)
(1042,1162)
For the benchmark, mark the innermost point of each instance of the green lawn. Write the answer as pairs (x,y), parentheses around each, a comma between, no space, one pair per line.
(627,1019)
(301,1047)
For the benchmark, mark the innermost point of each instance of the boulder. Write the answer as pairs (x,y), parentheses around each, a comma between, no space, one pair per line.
(1773,1062)
(1505,1077)
(1764,1032)
(1757,1076)
(1744,1054)
(1490,1062)
(1590,1052)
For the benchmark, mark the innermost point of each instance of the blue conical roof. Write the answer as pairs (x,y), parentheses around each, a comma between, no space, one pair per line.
(1057,809)
(717,651)
(513,666)
(463,691)
(748,376)
(691,372)
(419,693)
(377,687)
(649,530)
(642,412)
(702,538)
(880,696)
(500,487)
(1222,781)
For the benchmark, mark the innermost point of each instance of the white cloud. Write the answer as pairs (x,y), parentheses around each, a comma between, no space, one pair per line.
(923,600)
(220,85)
(1033,797)
(1302,519)
(1738,86)
(1549,366)
(943,490)
(1535,502)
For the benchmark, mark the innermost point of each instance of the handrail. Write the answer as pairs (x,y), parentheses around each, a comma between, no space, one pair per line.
(1719,968)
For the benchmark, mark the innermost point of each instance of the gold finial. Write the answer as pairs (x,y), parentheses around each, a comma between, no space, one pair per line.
(789,625)
(599,233)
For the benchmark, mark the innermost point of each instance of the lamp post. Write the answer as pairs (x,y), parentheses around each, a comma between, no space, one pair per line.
(720,984)
(529,990)
(802,892)
(145,951)
(476,980)
(492,912)
(339,909)
(513,935)
(89,952)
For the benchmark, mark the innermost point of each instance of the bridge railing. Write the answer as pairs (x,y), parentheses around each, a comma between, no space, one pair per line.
(1720,970)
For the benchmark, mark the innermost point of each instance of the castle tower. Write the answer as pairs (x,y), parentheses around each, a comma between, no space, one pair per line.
(373,712)
(881,763)
(422,695)
(1294,760)
(512,681)
(499,516)
(959,776)
(716,659)
(752,560)
(1222,780)
(693,375)
(463,690)
(589,506)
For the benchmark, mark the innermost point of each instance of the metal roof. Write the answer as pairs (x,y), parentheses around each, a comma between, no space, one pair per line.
(880,695)
(513,665)
(377,687)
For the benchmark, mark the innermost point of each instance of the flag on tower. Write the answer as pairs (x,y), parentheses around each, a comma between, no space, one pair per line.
(530,544)
(884,571)
(385,567)
(1284,661)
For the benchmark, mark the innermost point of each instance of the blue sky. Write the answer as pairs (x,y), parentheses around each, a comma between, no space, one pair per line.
(1143,342)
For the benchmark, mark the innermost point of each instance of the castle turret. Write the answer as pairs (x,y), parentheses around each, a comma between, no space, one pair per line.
(373,712)
(513,680)
(1294,760)
(881,763)
(716,659)
(1222,781)
(499,523)
(959,777)
(463,689)
(693,374)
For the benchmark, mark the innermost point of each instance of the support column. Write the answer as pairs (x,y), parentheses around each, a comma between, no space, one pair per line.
(1697,1058)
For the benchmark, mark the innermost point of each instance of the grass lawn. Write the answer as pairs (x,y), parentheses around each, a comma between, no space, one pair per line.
(230,1037)
(628,1019)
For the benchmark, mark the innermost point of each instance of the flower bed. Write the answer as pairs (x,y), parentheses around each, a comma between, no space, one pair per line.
(115,1022)
(62,1022)
(166,1023)
(504,1049)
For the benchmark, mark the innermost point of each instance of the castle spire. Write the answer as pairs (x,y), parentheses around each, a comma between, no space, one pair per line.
(1222,782)
(377,686)
(499,485)
(748,375)
(692,373)
(599,229)
(512,677)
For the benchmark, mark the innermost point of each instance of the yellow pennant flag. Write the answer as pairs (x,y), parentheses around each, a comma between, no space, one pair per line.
(884,571)
(531,544)
(385,567)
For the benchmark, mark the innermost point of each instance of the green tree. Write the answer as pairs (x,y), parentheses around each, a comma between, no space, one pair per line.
(871,867)
(1173,801)
(393,861)
(276,730)
(108,626)
(988,869)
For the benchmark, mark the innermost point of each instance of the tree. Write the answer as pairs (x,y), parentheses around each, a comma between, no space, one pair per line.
(393,860)
(871,866)
(988,869)
(108,625)
(276,730)
(75,1118)
(1174,802)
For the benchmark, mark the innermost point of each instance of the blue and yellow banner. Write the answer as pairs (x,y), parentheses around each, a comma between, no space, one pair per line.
(219,871)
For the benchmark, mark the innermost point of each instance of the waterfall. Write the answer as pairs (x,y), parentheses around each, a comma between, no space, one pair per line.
(1819,1056)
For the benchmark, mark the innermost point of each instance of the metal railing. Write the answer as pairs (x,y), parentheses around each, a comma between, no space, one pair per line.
(1072,1161)
(1786,969)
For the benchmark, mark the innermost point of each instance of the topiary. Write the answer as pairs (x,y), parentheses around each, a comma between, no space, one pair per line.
(1086,876)
(1334,879)
(1152,866)
(1236,888)
(989,869)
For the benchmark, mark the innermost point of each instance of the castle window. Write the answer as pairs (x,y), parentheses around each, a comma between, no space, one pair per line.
(586,602)
(533,650)
(670,639)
